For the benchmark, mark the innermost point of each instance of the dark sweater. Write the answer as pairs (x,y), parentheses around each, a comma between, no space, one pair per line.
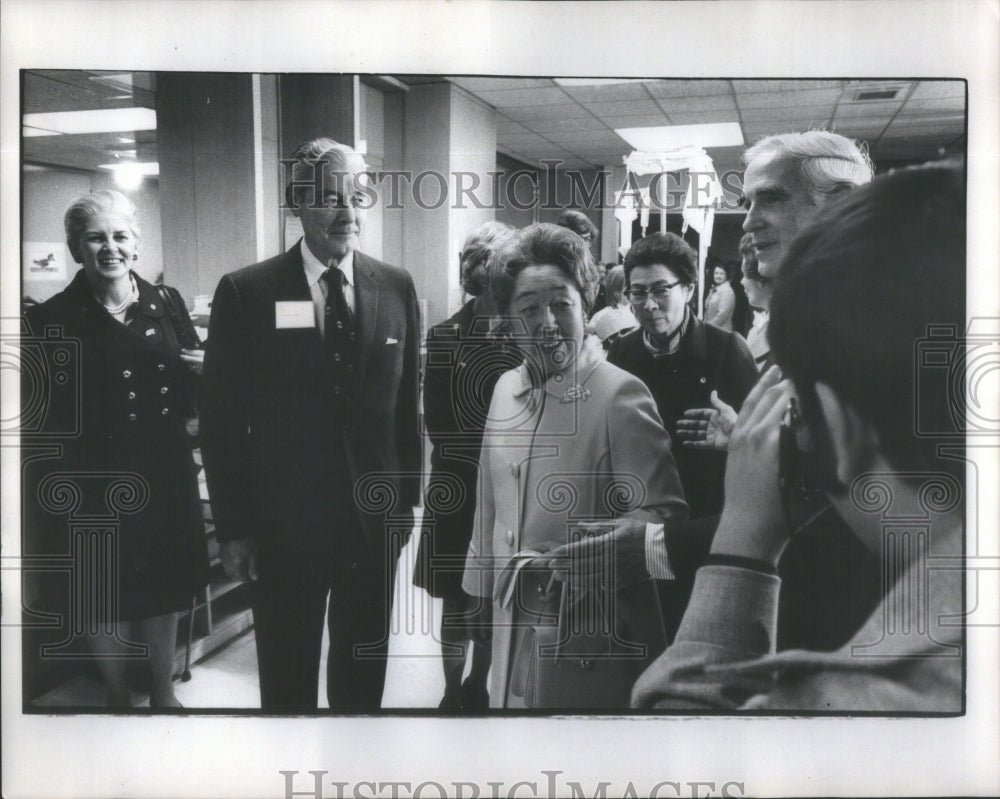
(708,359)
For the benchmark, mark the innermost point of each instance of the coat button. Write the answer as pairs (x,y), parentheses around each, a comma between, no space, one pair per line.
(152,305)
(510,538)
(126,373)
(336,357)
(164,389)
(131,395)
(161,367)
(165,411)
(336,391)
(340,325)
(131,417)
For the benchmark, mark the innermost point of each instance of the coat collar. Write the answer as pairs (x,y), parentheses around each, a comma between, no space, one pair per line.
(591,355)
(86,306)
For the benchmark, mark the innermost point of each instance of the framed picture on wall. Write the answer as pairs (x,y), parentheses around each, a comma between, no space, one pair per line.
(44,260)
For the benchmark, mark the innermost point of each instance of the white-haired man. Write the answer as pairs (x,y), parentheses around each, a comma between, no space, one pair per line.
(788,178)
(309,417)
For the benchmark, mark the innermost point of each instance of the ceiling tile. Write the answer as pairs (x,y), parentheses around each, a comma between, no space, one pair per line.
(593,139)
(858,128)
(934,139)
(543,95)
(681,117)
(715,102)
(528,113)
(820,112)
(487,84)
(927,89)
(954,105)
(509,126)
(631,107)
(787,99)
(688,88)
(615,92)
(876,110)
(759,86)
(640,121)
(568,125)
(522,141)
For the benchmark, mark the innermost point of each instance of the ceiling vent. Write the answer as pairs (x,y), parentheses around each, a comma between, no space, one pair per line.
(874,94)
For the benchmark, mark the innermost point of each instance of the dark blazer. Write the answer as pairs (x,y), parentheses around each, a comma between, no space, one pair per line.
(271,446)
(462,368)
(708,359)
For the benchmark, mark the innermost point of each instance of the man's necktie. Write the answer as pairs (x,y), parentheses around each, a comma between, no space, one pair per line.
(339,337)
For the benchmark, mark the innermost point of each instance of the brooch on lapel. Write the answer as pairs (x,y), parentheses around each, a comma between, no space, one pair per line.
(574,393)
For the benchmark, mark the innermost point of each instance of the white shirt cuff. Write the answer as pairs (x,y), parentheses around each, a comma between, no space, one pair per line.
(657,561)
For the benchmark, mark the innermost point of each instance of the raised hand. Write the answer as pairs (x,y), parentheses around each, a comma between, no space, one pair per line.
(707,428)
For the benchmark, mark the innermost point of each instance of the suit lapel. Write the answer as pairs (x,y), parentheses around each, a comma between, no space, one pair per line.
(366,287)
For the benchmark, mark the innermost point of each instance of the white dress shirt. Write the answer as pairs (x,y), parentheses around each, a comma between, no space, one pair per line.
(315,269)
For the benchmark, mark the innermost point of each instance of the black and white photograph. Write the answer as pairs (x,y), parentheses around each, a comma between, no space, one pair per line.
(559,414)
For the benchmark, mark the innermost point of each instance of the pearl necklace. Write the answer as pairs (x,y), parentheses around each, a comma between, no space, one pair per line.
(118,310)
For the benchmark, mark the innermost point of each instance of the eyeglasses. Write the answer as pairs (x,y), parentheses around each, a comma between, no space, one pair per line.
(638,294)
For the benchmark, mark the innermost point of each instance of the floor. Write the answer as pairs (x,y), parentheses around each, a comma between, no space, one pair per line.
(228,677)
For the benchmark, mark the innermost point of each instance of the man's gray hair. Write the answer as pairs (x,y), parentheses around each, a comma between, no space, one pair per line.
(308,154)
(830,162)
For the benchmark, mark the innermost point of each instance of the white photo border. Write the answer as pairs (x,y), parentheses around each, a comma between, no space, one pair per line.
(239,756)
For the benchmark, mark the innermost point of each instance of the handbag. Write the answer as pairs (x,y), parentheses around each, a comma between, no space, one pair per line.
(181,322)
(573,656)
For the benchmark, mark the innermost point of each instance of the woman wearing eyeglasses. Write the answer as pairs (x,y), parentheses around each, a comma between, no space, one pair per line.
(686,363)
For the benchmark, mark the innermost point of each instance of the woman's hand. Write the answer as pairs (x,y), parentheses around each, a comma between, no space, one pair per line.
(195,359)
(610,554)
(753,524)
(707,428)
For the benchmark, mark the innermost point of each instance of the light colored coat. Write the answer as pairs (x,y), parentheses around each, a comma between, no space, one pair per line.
(586,446)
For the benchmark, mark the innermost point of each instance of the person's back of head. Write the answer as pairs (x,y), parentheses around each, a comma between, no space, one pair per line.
(856,293)
(579,223)
(614,285)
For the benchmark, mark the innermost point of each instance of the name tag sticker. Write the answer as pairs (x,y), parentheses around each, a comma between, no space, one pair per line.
(293,314)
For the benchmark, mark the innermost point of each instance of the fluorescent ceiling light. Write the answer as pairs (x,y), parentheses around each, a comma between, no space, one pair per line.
(105,120)
(667,137)
(144,167)
(599,81)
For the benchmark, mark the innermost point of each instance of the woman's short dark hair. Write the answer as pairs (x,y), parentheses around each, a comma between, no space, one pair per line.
(856,293)
(666,249)
(749,255)
(539,245)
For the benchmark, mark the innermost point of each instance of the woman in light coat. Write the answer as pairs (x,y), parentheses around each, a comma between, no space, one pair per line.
(570,438)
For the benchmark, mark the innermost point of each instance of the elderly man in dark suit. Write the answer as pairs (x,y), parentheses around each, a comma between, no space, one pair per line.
(310,439)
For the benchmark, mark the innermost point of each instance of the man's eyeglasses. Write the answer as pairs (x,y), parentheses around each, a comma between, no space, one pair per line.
(638,294)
